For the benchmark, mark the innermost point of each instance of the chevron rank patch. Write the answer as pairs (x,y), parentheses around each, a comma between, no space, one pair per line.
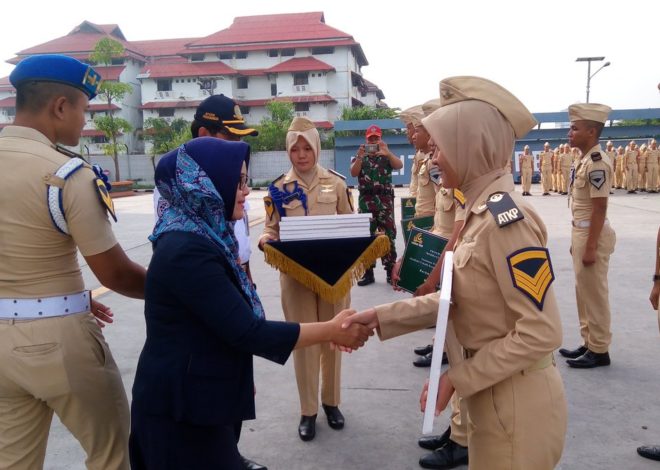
(270,208)
(503,209)
(531,273)
(459,198)
(435,174)
(105,198)
(597,178)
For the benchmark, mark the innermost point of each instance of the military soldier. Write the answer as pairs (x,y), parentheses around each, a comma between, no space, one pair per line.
(509,328)
(630,159)
(641,168)
(526,168)
(592,239)
(53,357)
(373,170)
(652,164)
(619,172)
(309,189)
(546,169)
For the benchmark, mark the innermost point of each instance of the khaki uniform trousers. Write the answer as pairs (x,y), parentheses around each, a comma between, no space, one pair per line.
(526,178)
(641,176)
(61,365)
(519,423)
(652,177)
(302,305)
(459,418)
(591,288)
(631,177)
(618,177)
(565,179)
(546,179)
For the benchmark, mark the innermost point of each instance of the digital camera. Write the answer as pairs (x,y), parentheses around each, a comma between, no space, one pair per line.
(371,148)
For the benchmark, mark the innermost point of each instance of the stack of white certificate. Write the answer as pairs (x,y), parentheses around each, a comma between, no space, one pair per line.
(317,227)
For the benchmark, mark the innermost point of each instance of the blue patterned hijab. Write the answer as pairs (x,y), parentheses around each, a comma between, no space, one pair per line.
(199,181)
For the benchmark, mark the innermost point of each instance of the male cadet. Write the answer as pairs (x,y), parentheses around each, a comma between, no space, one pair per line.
(546,168)
(405,116)
(641,169)
(565,162)
(373,169)
(220,117)
(630,164)
(611,154)
(526,168)
(592,239)
(53,357)
(428,174)
(619,171)
(652,163)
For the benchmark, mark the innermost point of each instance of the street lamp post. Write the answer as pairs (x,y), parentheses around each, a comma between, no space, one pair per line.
(590,75)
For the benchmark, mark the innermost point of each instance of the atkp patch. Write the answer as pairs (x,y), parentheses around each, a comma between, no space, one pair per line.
(270,208)
(597,178)
(531,273)
(596,157)
(105,198)
(503,208)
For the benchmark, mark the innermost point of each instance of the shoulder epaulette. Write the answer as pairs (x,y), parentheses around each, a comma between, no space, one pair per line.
(54,194)
(278,178)
(596,157)
(336,173)
(503,209)
(459,197)
(67,152)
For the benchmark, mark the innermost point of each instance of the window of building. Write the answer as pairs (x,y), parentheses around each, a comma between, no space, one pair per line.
(196,57)
(225,55)
(323,50)
(242,83)
(273,89)
(273,52)
(241,55)
(301,78)
(98,139)
(164,84)
(288,52)
(166,112)
(11,111)
(245,110)
(301,107)
(117,61)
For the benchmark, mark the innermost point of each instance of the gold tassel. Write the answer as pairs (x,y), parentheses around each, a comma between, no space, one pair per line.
(330,293)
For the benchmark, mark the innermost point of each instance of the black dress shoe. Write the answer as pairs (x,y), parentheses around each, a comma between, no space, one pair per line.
(368,278)
(423,350)
(450,455)
(573,353)
(248,464)
(423,361)
(335,418)
(307,427)
(589,360)
(649,452)
(435,442)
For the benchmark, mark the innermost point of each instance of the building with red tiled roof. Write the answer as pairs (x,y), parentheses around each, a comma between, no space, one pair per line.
(255,60)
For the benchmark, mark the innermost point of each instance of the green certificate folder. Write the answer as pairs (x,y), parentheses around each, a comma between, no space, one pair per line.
(423,250)
(408,207)
(419,222)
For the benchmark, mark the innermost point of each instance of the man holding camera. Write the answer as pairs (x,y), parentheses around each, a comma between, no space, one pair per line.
(373,166)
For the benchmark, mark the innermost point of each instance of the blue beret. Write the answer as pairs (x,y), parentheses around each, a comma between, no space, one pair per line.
(59,69)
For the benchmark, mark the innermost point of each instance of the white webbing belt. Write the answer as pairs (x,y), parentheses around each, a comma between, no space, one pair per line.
(44,307)
(585,223)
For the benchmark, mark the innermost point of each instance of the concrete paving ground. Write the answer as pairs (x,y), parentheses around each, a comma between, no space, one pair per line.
(612,410)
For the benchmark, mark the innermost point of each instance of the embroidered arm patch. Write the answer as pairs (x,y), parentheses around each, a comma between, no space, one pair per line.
(597,178)
(105,198)
(270,209)
(531,273)
(459,198)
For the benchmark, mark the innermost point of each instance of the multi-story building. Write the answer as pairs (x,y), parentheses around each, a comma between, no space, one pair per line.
(257,59)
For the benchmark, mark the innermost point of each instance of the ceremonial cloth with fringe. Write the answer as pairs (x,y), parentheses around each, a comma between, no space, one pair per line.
(328,267)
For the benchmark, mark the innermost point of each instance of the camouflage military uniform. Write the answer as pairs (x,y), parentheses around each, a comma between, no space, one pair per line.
(377,198)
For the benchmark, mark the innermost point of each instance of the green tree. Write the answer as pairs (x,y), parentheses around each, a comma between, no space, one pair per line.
(165,136)
(638,122)
(111,92)
(367,113)
(273,129)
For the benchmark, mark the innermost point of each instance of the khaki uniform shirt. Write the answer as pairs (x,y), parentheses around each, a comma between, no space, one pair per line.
(419,156)
(619,161)
(546,160)
(641,160)
(652,157)
(565,161)
(506,328)
(612,156)
(37,260)
(327,194)
(445,213)
(592,179)
(630,159)
(526,162)
(426,188)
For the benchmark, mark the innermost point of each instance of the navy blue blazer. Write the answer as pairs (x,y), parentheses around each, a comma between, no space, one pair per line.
(196,364)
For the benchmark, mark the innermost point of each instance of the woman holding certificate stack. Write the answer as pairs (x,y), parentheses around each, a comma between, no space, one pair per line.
(503,306)
(309,189)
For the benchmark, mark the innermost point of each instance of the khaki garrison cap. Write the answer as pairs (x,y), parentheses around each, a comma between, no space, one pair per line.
(589,112)
(456,89)
(406,114)
(431,105)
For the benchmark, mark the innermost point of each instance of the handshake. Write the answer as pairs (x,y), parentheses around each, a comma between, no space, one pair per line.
(351,329)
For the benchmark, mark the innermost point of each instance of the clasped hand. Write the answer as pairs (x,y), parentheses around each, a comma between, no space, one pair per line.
(349,335)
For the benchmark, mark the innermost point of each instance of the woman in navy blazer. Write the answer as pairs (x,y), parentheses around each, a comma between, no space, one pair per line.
(204,320)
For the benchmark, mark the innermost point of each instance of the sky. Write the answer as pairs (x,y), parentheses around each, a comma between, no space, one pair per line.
(529,47)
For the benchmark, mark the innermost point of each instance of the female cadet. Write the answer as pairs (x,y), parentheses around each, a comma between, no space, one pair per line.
(504,311)
(309,189)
